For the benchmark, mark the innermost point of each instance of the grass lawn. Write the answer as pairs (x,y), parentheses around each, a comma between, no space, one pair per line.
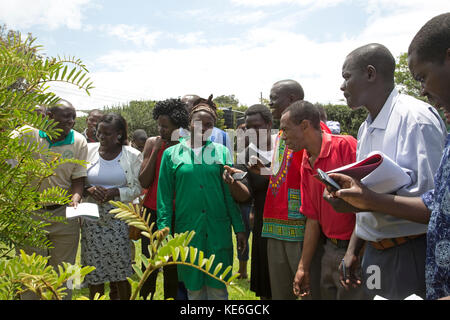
(243,284)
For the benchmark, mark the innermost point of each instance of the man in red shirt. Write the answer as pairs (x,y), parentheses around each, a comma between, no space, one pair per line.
(283,224)
(300,124)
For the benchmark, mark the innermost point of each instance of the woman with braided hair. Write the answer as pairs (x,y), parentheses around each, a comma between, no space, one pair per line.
(193,171)
(170,114)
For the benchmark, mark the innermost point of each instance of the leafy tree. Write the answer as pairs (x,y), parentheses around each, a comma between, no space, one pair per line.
(80,124)
(350,120)
(220,123)
(404,79)
(226,101)
(7,36)
(21,174)
(24,78)
(139,115)
(407,84)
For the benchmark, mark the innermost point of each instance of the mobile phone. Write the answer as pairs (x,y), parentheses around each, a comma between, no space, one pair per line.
(239,175)
(325,178)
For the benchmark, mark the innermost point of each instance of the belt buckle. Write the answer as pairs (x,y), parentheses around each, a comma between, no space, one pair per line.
(334,241)
(378,245)
(388,243)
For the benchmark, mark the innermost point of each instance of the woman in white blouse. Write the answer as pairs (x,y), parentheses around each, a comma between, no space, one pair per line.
(113,169)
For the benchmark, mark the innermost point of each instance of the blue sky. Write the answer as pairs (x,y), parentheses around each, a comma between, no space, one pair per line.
(158,49)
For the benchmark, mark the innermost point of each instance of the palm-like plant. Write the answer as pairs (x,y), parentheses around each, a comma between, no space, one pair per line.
(32,273)
(166,249)
(24,84)
(21,174)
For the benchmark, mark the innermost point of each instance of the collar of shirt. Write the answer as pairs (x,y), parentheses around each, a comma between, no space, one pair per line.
(382,119)
(215,132)
(87,138)
(69,139)
(183,143)
(324,151)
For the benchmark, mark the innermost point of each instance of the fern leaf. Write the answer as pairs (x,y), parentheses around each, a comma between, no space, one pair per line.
(227,270)
(138,271)
(193,254)
(233,277)
(217,269)
(209,262)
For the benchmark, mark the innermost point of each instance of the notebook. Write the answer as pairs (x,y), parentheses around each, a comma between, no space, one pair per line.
(378,172)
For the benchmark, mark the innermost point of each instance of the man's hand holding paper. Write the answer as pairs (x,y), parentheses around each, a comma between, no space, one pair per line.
(378,172)
(360,181)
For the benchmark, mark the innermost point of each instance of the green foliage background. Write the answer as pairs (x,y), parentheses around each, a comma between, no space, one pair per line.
(24,78)
(350,120)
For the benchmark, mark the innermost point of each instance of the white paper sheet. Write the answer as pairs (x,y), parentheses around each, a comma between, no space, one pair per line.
(84,210)
(387,177)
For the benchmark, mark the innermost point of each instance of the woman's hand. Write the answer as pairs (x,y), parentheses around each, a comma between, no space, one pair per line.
(111,194)
(101,194)
(97,192)
(227,174)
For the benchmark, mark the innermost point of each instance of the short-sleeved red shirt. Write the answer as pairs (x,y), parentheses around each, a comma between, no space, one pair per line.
(150,198)
(336,151)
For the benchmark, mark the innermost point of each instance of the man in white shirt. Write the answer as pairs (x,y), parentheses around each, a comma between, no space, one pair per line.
(411,133)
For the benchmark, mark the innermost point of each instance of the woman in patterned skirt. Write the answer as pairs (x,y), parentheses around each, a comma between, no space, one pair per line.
(113,169)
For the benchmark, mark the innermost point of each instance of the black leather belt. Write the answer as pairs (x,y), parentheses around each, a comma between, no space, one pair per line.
(340,243)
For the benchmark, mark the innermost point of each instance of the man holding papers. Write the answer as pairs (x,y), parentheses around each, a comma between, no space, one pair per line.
(411,133)
(64,236)
(300,124)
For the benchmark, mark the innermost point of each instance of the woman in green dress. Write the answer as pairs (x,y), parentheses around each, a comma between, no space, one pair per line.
(191,174)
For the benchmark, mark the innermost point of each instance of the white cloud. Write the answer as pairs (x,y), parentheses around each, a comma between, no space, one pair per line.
(140,36)
(246,71)
(248,66)
(233,16)
(49,13)
(304,3)
(246,18)
(191,38)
